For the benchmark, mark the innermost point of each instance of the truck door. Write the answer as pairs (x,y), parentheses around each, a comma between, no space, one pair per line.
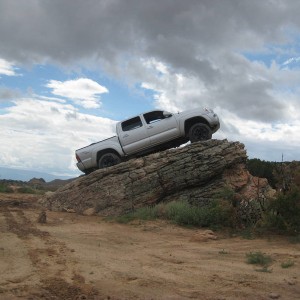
(133,135)
(161,128)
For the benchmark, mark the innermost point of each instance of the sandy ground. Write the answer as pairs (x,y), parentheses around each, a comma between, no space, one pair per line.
(86,257)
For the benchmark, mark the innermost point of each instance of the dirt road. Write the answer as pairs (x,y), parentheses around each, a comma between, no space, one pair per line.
(80,257)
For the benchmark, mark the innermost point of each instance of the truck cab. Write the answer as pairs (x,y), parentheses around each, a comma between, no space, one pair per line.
(147,130)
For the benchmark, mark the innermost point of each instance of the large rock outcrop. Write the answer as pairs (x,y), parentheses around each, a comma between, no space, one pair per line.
(196,173)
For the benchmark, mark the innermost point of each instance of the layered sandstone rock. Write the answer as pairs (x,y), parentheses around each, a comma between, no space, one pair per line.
(196,173)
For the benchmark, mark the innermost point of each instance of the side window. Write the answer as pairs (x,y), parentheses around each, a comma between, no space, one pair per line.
(132,124)
(154,116)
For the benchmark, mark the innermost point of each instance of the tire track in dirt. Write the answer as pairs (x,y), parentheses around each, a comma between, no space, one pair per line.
(53,270)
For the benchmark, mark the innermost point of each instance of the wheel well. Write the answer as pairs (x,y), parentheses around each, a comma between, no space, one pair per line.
(100,153)
(190,122)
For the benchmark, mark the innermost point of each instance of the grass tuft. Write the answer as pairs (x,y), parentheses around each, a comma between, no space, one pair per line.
(287,264)
(264,269)
(223,251)
(258,258)
(183,213)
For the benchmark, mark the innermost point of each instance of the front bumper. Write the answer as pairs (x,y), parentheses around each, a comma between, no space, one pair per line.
(214,122)
(215,128)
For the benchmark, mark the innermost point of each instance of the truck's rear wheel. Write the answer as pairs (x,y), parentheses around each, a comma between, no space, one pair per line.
(88,171)
(108,159)
(199,132)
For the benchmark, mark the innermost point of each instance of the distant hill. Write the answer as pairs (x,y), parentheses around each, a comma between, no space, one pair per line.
(26,175)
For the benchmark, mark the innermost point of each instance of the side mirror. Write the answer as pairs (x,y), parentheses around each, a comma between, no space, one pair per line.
(167,114)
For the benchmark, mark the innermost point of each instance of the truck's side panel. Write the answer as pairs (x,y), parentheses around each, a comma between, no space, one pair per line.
(162,129)
(133,135)
(88,155)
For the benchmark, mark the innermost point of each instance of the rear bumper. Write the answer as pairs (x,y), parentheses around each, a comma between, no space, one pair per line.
(80,166)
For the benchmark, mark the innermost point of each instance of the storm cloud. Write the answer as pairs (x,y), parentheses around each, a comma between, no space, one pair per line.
(239,57)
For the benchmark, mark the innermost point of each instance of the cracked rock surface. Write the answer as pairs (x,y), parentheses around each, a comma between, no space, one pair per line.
(194,173)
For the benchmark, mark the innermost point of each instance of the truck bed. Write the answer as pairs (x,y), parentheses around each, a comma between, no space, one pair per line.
(98,142)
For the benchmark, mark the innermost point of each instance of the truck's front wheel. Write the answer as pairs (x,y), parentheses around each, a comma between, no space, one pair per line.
(108,159)
(199,132)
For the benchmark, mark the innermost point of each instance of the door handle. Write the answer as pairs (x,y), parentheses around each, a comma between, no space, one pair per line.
(149,127)
(126,135)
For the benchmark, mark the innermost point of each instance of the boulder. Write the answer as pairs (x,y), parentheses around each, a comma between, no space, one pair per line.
(195,173)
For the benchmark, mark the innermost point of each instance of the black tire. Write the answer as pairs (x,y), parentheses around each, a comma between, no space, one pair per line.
(108,159)
(199,132)
(87,172)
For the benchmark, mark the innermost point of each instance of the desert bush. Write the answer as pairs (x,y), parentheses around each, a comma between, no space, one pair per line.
(295,239)
(263,169)
(143,213)
(181,212)
(217,213)
(146,213)
(5,189)
(283,212)
(124,219)
(26,190)
(287,264)
(258,258)
(261,259)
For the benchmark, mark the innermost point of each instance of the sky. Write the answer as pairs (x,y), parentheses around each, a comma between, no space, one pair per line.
(70,69)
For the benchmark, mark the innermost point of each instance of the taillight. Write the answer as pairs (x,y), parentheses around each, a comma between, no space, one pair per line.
(78,158)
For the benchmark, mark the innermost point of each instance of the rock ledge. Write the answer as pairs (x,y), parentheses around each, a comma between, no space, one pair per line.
(194,173)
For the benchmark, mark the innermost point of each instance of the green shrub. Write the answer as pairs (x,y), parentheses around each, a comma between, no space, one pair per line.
(223,251)
(284,212)
(143,213)
(225,210)
(247,233)
(287,264)
(181,212)
(258,258)
(295,239)
(263,169)
(146,213)
(124,219)
(5,189)
(217,213)
(26,190)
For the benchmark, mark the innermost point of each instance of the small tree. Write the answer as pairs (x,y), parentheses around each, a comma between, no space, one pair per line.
(284,211)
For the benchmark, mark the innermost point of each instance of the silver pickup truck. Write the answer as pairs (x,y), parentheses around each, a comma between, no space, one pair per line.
(146,133)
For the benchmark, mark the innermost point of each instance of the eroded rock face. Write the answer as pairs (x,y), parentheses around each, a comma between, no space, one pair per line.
(195,173)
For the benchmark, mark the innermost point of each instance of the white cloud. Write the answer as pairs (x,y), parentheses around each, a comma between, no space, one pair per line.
(243,118)
(187,53)
(83,91)
(291,61)
(7,68)
(262,139)
(43,135)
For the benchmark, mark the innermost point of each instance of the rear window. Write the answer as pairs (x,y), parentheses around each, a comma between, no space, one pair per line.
(132,124)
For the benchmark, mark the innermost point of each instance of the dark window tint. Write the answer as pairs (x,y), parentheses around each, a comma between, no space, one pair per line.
(154,116)
(132,124)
